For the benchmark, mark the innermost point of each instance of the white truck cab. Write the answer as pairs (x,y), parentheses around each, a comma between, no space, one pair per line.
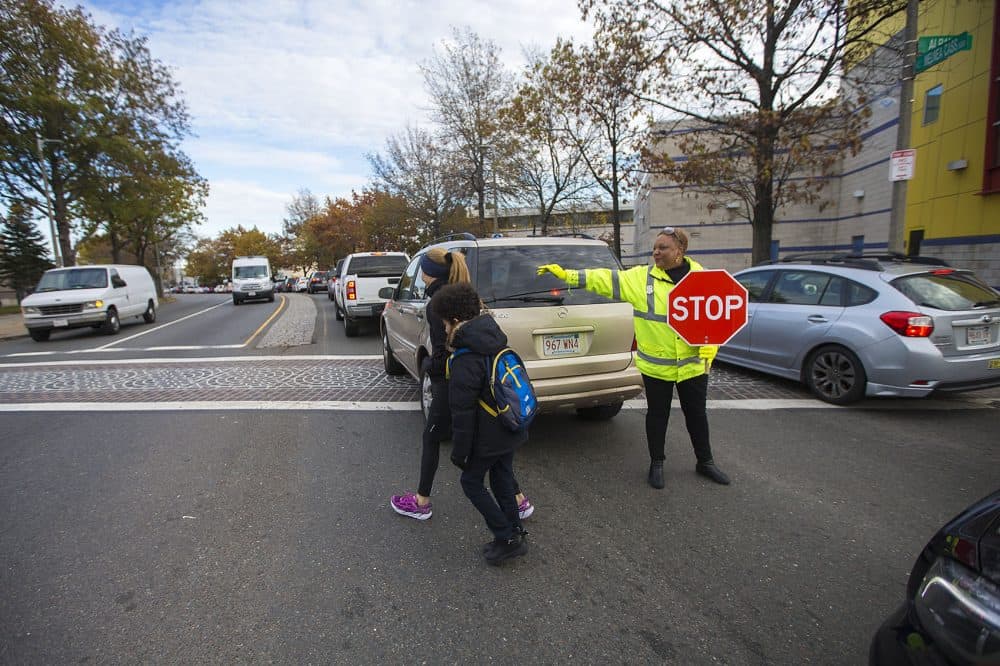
(252,279)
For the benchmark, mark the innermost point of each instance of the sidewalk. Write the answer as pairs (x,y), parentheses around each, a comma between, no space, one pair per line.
(12,326)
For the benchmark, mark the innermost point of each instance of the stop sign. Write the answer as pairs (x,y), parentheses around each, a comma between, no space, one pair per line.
(707,307)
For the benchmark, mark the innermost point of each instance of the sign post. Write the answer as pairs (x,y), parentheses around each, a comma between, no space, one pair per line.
(707,307)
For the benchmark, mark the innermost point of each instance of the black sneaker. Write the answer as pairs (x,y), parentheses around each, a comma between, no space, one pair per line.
(711,471)
(656,475)
(505,549)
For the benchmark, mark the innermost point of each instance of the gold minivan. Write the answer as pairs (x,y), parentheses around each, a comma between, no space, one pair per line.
(578,346)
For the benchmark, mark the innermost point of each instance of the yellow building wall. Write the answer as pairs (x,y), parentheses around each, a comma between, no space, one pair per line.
(948,204)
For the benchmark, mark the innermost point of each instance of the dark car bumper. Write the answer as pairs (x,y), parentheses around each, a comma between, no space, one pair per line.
(901,641)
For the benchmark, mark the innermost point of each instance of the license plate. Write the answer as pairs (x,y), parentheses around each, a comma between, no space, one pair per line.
(978,335)
(251,293)
(994,364)
(560,345)
(60,322)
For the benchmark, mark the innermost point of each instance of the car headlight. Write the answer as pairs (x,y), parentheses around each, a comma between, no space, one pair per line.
(93,305)
(30,310)
(960,609)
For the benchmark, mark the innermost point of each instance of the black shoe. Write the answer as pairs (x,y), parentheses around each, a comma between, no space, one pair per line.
(710,471)
(489,544)
(505,549)
(656,475)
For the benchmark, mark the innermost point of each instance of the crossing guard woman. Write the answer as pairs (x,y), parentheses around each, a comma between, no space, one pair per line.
(663,358)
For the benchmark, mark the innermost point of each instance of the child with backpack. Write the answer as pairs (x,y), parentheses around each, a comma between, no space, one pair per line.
(481,443)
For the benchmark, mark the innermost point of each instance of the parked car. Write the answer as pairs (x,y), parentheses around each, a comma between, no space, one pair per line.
(850,326)
(951,612)
(332,280)
(578,346)
(317,281)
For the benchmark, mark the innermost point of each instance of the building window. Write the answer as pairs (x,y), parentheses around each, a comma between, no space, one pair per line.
(932,104)
(991,163)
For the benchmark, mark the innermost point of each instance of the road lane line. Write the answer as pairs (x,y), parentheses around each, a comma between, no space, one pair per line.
(281,306)
(191,359)
(153,330)
(252,405)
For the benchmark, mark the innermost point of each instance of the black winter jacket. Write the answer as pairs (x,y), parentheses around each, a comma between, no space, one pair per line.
(476,434)
(439,339)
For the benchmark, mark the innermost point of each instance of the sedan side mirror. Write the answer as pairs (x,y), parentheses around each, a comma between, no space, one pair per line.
(386,292)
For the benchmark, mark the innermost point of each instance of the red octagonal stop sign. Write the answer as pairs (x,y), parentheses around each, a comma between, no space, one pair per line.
(707,307)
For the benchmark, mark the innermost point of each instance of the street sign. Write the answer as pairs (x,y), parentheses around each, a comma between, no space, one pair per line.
(902,164)
(707,307)
(938,48)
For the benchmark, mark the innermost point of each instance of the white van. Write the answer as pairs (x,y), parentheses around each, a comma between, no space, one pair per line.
(98,296)
(252,279)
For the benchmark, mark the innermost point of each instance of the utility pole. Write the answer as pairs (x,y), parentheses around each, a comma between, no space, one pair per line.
(40,144)
(897,217)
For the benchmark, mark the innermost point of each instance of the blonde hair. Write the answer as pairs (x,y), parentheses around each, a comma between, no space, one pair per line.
(458,271)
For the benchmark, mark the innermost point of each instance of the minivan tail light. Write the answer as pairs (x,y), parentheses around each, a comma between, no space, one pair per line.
(909,324)
(352,294)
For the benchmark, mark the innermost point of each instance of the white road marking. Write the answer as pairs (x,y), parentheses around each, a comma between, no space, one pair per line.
(162,326)
(251,405)
(207,359)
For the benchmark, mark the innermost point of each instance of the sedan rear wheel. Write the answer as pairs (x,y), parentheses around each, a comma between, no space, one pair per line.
(835,374)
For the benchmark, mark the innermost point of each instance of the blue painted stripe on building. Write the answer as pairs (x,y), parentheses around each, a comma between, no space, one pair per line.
(987,239)
(864,136)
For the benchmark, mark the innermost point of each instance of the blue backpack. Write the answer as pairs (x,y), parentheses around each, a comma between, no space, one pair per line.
(513,394)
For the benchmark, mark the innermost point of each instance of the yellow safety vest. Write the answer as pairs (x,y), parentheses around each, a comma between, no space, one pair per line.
(661,352)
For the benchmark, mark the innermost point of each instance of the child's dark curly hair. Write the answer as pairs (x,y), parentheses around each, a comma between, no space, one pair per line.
(456,301)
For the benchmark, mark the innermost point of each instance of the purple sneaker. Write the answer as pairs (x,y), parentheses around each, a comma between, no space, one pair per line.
(406,505)
(525,508)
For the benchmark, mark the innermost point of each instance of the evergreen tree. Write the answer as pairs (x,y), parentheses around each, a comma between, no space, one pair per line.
(23,253)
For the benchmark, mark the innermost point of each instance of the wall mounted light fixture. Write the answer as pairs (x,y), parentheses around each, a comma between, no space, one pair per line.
(957,165)
(858,194)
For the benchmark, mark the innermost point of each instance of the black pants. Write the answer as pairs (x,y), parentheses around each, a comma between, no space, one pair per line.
(693,394)
(501,513)
(437,429)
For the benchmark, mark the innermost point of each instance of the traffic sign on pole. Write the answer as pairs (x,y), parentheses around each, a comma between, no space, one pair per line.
(707,307)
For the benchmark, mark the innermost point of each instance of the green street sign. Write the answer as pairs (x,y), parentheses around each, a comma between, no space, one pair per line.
(934,49)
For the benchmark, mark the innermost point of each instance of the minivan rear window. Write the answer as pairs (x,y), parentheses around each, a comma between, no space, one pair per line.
(506,277)
(73,278)
(946,290)
(384,266)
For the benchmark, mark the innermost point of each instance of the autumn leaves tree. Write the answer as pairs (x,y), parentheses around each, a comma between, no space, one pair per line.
(94,114)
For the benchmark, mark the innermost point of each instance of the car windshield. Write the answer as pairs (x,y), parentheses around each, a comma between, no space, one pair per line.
(249,272)
(506,277)
(378,266)
(947,290)
(74,278)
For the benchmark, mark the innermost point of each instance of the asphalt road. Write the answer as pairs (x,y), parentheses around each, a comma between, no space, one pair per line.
(266,537)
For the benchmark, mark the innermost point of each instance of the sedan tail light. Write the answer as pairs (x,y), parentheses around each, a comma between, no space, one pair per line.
(909,324)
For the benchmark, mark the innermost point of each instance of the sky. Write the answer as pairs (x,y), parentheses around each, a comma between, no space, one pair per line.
(287,95)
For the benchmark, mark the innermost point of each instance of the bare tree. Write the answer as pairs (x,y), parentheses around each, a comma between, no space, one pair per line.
(754,84)
(417,169)
(468,85)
